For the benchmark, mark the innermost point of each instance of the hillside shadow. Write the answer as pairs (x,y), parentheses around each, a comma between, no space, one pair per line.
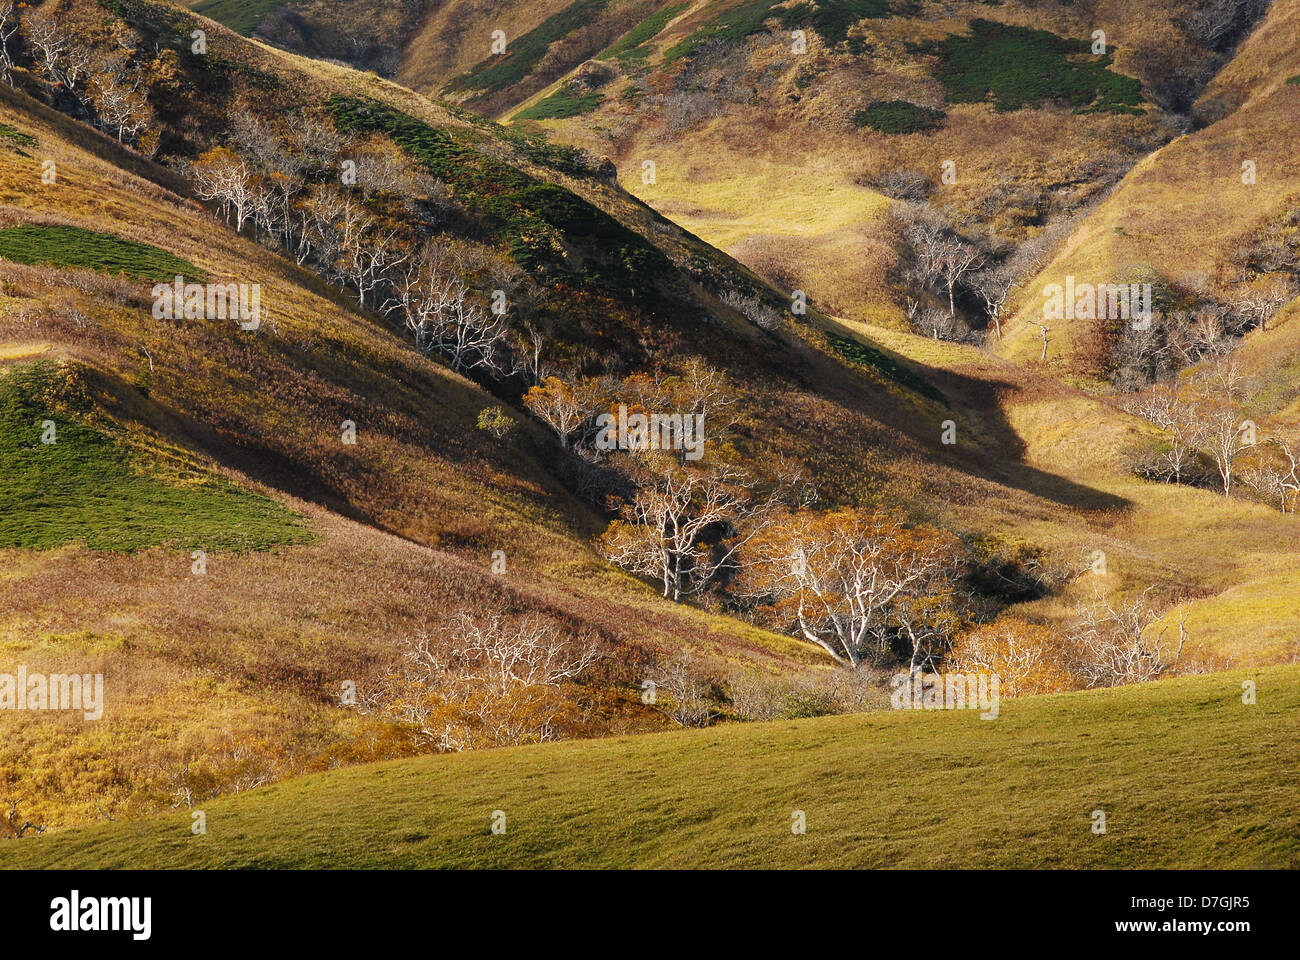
(94,142)
(916,401)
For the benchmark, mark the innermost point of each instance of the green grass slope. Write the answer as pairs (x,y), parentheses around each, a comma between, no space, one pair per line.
(1188,776)
(242,16)
(66,482)
(75,247)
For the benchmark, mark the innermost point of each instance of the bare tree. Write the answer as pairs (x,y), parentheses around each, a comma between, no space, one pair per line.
(561,406)
(1289,481)
(48,39)
(925,231)
(704,390)
(530,362)
(8,27)
(117,90)
(1043,331)
(1225,435)
(1272,473)
(1114,644)
(495,681)
(434,301)
(993,285)
(955,259)
(221,175)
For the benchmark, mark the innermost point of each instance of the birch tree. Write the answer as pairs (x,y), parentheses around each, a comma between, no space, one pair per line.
(851,580)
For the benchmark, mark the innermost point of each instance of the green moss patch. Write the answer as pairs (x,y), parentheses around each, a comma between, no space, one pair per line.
(898,116)
(569,100)
(17,136)
(75,247)
(1017,67)
(91,488)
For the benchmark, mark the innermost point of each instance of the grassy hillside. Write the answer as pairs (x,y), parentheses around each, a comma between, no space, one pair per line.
(1188,209)
(67,482)
(1186,774)
(327,554)
(322,554)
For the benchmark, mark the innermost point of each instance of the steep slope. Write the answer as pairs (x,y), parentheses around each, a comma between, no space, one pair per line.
(1187,776)
(235,675)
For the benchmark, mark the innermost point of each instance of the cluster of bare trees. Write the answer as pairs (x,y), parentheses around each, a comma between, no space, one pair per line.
(684,511)
(100,65)
(1123,642)
(1193,328)
(493,681)
(454,298)
(434,301)
(762,315)
(1202,421)
(1218,24)
(944,263)
(682,690)
(860,585)
(1111,641)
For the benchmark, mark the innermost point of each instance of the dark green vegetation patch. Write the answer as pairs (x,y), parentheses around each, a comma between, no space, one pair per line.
(1019,67)
(87,487)
(523,53)
(569,100)
(865,356)
(17,136)
(630,45)
(75,247)
(830,18)
(898,116)
(242,16)
(534,219)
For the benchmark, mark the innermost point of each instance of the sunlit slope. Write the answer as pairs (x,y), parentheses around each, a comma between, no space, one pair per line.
(1185,209)
(1185,773)
(1233,563)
